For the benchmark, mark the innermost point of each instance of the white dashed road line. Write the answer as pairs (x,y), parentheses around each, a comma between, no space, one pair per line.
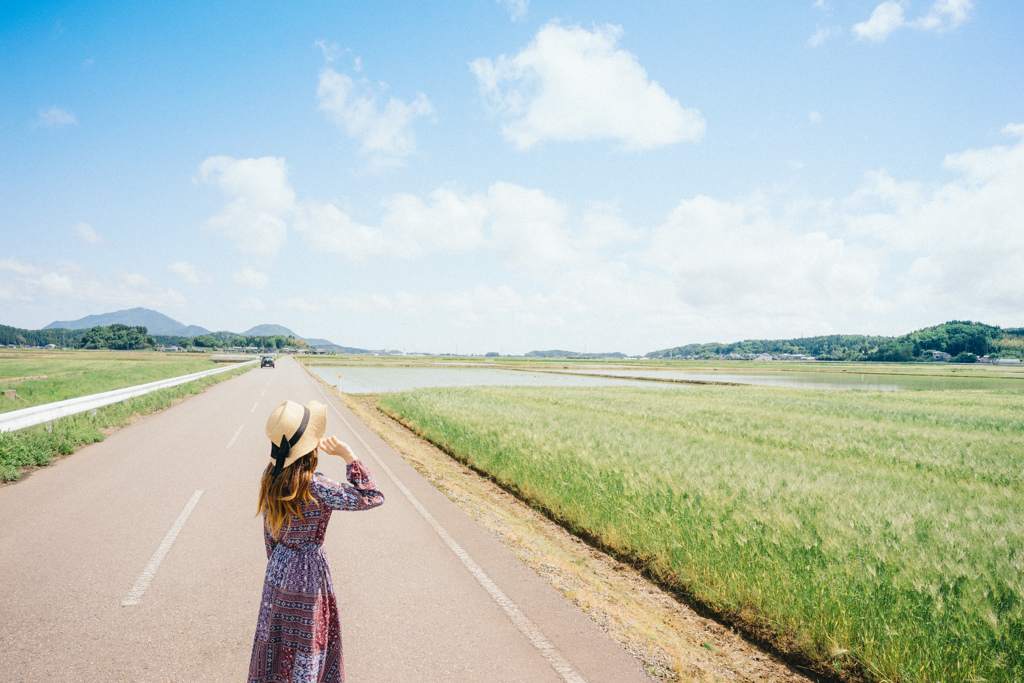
(254,406)
(142,583)
(547,649)
(232,442)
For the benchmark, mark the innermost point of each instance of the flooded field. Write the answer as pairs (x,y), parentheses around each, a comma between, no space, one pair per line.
(377,378)
(370,379)
(803,379)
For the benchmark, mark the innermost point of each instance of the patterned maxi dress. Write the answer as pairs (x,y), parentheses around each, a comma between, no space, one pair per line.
(298,634)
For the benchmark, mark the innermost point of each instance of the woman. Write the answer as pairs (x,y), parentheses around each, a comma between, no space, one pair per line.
(298,634)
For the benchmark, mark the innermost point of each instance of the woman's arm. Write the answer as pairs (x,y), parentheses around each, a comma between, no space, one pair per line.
(360,493)
(268,540)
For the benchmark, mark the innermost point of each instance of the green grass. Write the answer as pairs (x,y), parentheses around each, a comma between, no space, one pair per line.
(37,446)
(880,530)
(45,377)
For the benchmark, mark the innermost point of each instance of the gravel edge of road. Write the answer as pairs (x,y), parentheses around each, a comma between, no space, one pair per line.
(669,639)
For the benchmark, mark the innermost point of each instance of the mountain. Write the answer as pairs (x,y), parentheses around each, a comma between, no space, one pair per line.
(154,322)
(269,331)
(159,324)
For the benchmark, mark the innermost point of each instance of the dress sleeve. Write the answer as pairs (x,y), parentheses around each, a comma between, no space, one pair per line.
(268,540)
(360,493)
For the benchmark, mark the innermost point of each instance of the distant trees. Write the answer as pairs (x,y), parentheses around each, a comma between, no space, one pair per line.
(118,337)
(954,337)
(892,352)
(958,336)
(20,337)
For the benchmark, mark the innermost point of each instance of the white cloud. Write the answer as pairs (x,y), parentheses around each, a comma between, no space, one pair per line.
(55,117)
(446,222)
(943,15)
(891,254)
(252,304)
(189,273)
(330,230)
(524,227)
(967,235)
(752,258)
(571,84)
(884,19)
(301,303)
(528,228)
(603,226)
(249,277)
(49,283)
(331,51)
(260,201)
(814,116)
(822,34)
(85,232)
(384,130)
(516,8)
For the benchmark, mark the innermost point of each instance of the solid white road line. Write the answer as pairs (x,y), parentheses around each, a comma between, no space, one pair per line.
(142,583)
(232,442)
(532,632)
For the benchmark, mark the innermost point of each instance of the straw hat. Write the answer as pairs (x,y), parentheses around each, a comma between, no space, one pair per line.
(295,431)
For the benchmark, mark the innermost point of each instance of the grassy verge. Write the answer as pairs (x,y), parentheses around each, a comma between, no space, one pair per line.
(879,532)
(673,643)
(37,446)
(45,377)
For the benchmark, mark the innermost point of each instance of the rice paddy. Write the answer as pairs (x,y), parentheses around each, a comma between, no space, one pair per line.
(880,532)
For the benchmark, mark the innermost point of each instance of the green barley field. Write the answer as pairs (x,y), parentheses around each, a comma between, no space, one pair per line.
(875,530)
(41,377)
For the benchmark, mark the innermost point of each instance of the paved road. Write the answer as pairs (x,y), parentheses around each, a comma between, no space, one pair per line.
(425,593)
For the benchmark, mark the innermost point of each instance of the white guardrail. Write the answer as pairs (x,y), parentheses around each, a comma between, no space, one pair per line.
(28,417)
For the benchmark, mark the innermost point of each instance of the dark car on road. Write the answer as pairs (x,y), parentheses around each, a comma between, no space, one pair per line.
(267,362)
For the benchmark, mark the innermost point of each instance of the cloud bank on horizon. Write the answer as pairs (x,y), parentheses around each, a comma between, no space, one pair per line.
(574,187)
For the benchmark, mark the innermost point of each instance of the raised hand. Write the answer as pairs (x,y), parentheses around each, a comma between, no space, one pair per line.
(332,446)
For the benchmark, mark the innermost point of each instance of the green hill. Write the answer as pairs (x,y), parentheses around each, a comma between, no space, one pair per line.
(954,337)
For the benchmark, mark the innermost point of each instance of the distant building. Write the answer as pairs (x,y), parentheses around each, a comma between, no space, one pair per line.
(50,347)
(1005,361)
(939,355)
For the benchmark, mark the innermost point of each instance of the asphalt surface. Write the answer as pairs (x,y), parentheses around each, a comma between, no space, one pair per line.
(425,593)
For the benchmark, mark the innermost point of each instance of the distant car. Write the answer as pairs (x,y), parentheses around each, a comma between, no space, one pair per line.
(266,362)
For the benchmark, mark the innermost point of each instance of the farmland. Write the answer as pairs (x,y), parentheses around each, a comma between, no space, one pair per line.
(880,531)
(45,376)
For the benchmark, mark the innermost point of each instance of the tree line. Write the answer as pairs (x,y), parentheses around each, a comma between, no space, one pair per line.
(120,337)
(962,339)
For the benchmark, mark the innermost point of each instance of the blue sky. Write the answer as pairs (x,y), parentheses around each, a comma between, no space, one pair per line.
(515,175)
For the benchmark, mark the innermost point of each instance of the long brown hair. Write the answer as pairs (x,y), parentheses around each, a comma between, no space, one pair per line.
(281,496)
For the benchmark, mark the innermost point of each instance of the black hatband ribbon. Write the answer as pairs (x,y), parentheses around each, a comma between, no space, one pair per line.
(279,452)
